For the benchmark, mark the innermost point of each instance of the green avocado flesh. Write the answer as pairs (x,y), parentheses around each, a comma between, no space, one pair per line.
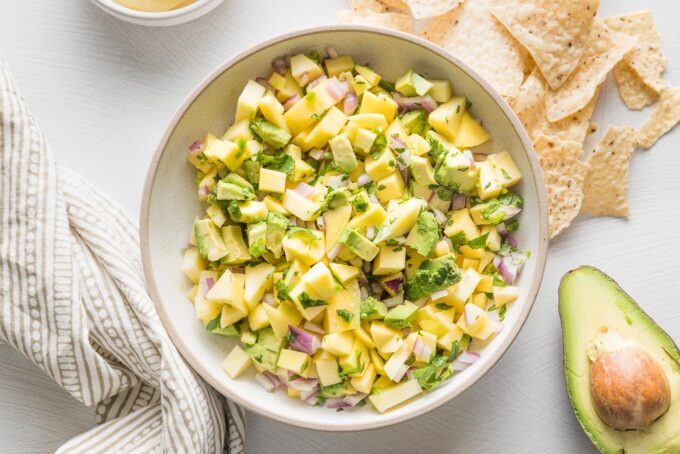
(590,301)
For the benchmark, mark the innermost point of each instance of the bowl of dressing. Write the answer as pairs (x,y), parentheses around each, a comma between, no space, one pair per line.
(157,13)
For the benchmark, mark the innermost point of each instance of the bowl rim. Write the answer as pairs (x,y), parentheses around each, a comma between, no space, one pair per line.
(149,15)
(382,420)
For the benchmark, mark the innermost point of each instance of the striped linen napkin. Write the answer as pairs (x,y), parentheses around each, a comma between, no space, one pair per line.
(75,303)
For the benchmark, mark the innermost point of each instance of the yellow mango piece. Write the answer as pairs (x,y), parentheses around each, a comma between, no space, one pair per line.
(380,104)
(390,260)
(329,126)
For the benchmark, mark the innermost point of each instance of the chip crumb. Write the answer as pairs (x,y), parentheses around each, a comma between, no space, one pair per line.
(605,192)
(553,32)
(421,9)
(664,118)
(604,49)
(474,36)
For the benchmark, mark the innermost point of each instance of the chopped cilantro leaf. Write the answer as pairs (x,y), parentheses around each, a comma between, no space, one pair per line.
(344,314)
(306,301)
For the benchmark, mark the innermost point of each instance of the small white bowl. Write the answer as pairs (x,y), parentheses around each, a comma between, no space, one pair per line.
(170,205)
(164,19)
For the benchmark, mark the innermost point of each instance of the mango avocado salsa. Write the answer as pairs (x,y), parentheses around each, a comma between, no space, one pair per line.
(357,240)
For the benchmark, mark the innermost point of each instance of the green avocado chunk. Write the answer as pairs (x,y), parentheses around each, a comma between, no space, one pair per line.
(257,238)
(358,244)
(590,303)
(432,275)
(209,240)
(425,235)
(372,309)
(276,229)
(401,316)
(412,84)
(234,187)
(270,134)
(265,351)
(454,170)
(415,121)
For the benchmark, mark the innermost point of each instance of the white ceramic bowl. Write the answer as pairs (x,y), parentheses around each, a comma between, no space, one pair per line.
(170,206)
(164,19)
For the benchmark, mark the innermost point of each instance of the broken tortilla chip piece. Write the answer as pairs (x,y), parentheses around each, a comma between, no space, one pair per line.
(604,49)
(397,21)
(529,105)
(474,36)
(565,196)
(634,93)
(394,4)
(664,118)
(554,32)
(645,58)
(563,175)
(421,9)
(605,191)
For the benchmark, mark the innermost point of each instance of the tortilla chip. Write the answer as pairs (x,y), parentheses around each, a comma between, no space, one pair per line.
(529,105)
(603,50)
(421,9)
(634,93)
(645,59)
(592,128)
(397,21)
(554,32)
(664,118)
(371,5)
(605,192)
(563,174)
(565,196)
(471,33)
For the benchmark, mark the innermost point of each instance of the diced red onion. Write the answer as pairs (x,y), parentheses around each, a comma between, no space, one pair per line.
(349,105)
(465,360)
(370,232)
(502,229)
(440,216)
(265,382)
(291,101)
(305,190)
(406,157)
(313,327)
(439,295)
(394,301)
(262,81)
(205,190)
(511,241)
(304,78)
(458,201)
(373,199)
(510,211)
(336,402)
(316,154)
(364,179)
(312,400)
(421,349)
(353,399)
(363,292)
(195,147)
(497,260)
(395,142)
(333,252)
(331,52)
(209,282)
(508,271)
(410,372)
(304,342)
(279,64)
(403,171)
(304,385)
(393,284)
(321,223)
(305,395)
(415,102)
(316,82)
(337,89)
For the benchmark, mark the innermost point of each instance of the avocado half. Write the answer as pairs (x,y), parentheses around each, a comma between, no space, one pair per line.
(591,302)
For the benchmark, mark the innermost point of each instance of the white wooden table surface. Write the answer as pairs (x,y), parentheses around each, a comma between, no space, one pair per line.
(103,92)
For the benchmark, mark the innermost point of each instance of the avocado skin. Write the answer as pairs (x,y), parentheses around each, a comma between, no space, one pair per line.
(590,422)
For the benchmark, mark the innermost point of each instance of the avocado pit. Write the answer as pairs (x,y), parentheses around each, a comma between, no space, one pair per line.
(629,388)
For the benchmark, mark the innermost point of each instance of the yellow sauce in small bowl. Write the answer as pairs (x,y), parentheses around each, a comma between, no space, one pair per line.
(155,6)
